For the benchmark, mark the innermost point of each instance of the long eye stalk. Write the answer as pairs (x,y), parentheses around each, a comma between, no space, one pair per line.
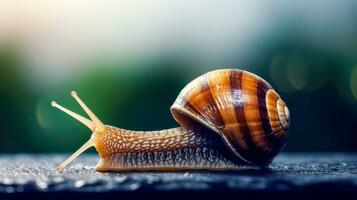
(97,123)
(80,118)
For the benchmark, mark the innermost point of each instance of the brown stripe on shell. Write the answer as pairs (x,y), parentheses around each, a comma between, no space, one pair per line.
(208,109)
(264,117)
(262,89)
(282,114)
(182,110)
(252,154)
(251,110)
(189,106)
(221,91)
(200,103)
(271,99)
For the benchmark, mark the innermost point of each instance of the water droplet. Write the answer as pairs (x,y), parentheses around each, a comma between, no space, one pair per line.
(7,181)
(41,184)
(120,179)
(134,186)
(58,179)
(79,183)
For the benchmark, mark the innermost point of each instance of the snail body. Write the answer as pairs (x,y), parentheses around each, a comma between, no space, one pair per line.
(230,119)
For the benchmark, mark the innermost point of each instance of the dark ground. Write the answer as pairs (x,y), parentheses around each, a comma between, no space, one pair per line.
(296,176)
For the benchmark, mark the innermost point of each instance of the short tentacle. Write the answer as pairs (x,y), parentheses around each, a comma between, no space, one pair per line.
(87,145)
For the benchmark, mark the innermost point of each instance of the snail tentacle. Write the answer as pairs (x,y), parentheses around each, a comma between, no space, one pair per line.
(85,146)
(76,116)
(97,123)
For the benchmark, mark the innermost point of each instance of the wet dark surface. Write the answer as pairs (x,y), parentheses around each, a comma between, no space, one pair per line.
(290,175)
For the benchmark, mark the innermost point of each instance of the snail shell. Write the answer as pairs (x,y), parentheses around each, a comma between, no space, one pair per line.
(241,107)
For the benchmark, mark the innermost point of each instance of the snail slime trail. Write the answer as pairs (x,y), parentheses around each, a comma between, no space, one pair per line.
(230,120)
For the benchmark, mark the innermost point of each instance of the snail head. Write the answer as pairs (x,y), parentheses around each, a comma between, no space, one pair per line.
(94,124)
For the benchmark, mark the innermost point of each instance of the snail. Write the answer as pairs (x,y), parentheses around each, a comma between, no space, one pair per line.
(229,119)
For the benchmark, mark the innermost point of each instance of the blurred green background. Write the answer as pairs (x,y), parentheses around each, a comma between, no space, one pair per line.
(128,60)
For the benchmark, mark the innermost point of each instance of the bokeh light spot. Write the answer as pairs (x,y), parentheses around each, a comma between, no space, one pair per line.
(297,72)
(276,67)
(41,113)
(353,82)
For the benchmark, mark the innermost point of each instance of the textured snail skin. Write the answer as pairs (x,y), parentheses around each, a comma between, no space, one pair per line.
(230,119)
(167,150)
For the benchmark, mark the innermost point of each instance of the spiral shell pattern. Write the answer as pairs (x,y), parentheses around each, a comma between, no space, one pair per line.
(241,107)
